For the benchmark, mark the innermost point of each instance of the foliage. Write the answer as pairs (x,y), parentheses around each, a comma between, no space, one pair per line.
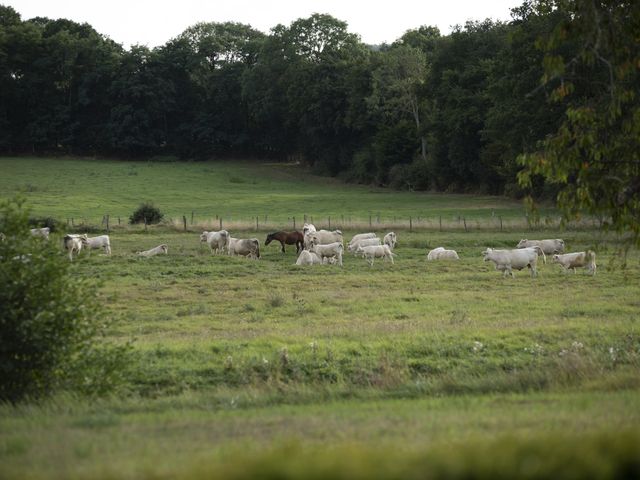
(146,213)
(593,156)
(51,322)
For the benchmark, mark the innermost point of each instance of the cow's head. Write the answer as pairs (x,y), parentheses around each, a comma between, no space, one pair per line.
(486,254)
(556,258)
(204,236)
(522,243)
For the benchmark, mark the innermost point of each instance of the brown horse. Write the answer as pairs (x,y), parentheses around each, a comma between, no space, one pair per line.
(288,238)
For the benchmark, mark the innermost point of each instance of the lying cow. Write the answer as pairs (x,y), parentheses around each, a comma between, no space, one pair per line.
(155,251)
(246,247)
(41,232)
(433,254)
(308,258)
(328,251)
(101,241)
(509,260)
(73,244)
(577,260)
(217,241)
(441,253)
(548,246)
(375,251)
(390,239)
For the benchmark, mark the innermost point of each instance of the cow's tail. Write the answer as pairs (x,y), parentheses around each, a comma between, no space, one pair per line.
(591,261)
(541,252)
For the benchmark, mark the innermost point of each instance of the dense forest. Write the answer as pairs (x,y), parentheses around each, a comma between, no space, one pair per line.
(429,111)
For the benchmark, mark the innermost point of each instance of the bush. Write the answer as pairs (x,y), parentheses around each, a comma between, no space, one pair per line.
(50,320)
(40,222)
(148,212)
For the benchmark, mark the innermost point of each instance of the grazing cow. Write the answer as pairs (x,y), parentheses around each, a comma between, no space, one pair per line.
(41,232)
(433,254)
(548,246)
(217,241)
(330,250)
(390,239)
(577,260)
(443,254)
(287,238)
(375,251)
(322,237)
(155,251)
(73,243)
(509,260)
(361,236)
(364,242)
(101,241)
(246,247)
(308,258)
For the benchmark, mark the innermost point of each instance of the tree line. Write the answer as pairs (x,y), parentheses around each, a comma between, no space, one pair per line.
(429,111)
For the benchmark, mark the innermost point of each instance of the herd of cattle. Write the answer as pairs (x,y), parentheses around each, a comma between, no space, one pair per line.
(327,247)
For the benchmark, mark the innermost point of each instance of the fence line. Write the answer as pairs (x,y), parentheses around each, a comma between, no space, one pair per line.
(377,223)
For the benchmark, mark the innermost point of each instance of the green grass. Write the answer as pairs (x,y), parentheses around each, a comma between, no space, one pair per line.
(245,369)
(88,189)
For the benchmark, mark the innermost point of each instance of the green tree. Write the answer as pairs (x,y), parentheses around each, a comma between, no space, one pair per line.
(594,155)
(50,320)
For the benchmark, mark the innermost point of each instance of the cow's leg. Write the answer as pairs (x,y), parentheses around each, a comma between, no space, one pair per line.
(282,246)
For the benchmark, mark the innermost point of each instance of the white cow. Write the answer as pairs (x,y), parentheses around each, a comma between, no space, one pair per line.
(390,239)
(509,260)
(308,258)
(433,254)
(322,237)
(246,247)
(375,251)
(363,242)
(361,236)
(217,241)
(73,243)
(155,251)
(576,260)
(308,228)
(548,246)
(101,241)
(331,250)
(41,232)
(443,254)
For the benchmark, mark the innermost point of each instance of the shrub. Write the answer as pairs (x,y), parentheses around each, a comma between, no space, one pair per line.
(50,320)
(40,222)
(146,211)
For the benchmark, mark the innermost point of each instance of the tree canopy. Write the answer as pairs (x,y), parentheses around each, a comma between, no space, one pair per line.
(543,105)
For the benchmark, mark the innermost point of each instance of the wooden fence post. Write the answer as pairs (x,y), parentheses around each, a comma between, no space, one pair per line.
(257,222)
(145,223)
(118,221)
(329,219)
(191,217)
(220,223)
(500,223)
(107,218)
(184,222)
(440,220)
(369,221)
(294,221)
(410,224)
(464,220)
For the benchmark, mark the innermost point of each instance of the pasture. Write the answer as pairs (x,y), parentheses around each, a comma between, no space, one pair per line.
(247,368)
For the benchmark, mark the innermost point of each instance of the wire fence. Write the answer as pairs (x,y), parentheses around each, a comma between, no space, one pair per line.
(442,223)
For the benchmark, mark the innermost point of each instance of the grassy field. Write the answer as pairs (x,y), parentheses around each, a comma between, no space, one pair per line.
(261,369)
(236,191)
